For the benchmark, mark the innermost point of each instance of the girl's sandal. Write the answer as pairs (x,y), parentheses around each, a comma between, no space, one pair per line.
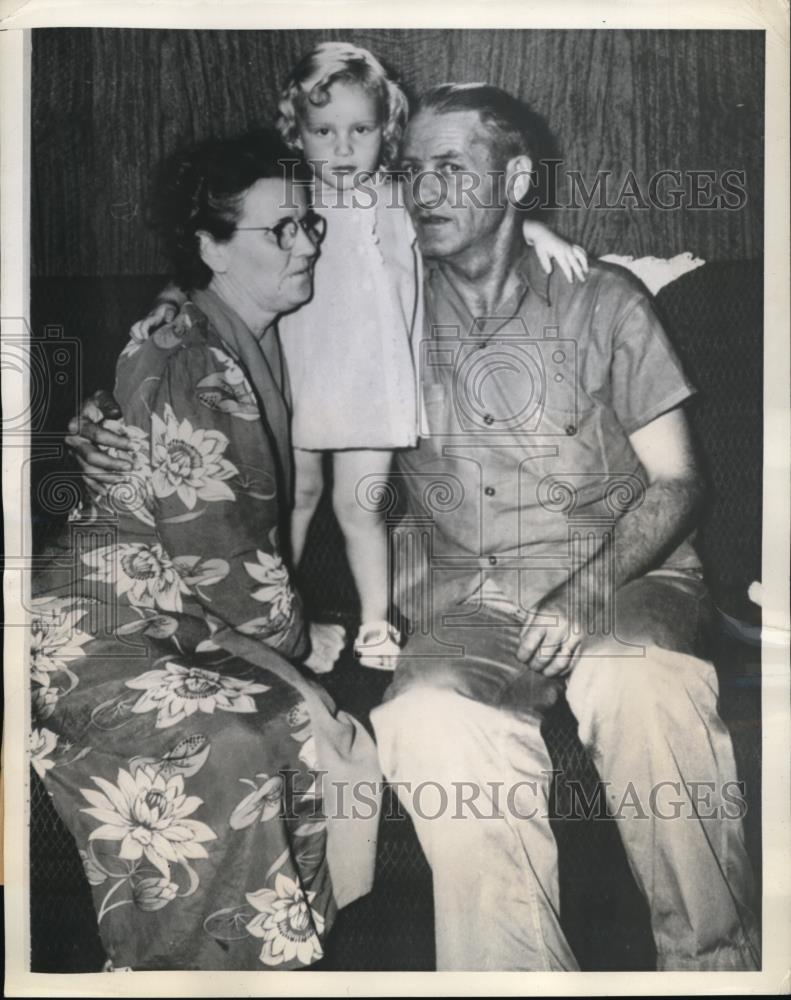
(377,645)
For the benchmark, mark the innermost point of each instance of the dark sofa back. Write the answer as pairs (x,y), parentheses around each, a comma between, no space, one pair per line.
(714,316)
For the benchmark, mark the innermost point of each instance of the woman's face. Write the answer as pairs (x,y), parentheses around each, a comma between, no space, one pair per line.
(253,271)
(344,136)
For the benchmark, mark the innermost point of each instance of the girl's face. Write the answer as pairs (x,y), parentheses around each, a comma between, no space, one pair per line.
(344,136)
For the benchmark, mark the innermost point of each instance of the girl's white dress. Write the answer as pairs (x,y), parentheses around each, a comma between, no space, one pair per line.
(349,350)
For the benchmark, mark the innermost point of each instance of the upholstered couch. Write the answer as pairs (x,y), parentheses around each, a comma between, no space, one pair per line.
(714,316)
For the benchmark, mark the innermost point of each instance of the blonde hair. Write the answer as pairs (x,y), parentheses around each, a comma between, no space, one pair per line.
(334,62)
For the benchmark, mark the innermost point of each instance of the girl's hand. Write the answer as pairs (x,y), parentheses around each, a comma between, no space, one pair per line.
(160,315)
(570,258)
(326,642)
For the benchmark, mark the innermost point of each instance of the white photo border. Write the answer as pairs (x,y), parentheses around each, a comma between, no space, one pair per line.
(16,20)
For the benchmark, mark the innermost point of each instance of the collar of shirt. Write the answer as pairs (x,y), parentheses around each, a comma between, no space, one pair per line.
(441,293)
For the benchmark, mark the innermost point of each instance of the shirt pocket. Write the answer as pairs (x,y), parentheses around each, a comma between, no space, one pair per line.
(571,441)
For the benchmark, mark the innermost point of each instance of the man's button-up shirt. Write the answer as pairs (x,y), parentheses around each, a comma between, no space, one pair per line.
(524,463)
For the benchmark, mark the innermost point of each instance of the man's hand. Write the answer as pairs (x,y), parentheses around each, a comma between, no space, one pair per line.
(87,435)
(646,533)
(550,641)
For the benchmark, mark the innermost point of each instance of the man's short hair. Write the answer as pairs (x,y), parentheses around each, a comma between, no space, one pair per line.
(514,128)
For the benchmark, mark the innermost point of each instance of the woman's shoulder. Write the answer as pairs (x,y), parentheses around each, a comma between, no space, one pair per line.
(182,350)
(186,330)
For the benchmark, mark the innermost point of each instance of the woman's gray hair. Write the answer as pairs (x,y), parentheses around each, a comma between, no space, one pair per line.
(201,190)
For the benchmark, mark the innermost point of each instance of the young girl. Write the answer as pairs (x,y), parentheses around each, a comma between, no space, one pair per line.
(349,350)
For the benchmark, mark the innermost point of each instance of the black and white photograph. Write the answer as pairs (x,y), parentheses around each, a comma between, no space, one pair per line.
(388,475)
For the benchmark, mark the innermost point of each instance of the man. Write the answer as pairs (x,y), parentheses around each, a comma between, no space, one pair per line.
(553,492)
(545,546)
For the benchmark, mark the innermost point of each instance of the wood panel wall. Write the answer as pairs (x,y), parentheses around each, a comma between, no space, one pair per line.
(108,104)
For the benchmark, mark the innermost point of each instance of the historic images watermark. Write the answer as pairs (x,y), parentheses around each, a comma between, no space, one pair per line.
(551,185)
(523,800)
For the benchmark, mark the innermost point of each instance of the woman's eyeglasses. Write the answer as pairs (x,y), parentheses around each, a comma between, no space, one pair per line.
(285,232)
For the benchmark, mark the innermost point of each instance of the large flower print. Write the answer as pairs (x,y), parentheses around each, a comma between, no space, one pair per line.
(55,639)
(144,573)
(276,590)
(287,922)
(147,813)
(188,461)
(178,692)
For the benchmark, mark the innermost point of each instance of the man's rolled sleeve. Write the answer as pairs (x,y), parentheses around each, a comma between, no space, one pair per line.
(646,374)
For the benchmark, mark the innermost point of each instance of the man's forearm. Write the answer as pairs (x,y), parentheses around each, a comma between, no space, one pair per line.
(642,538)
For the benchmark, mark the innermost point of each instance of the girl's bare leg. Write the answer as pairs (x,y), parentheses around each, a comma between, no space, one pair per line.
(308,487)
(363,529)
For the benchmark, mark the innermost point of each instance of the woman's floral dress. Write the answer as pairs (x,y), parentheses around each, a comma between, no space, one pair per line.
(182,770)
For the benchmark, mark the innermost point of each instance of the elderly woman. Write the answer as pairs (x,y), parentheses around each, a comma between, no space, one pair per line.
(180,741)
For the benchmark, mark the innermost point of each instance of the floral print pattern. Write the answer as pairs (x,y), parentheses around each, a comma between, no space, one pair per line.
(287,923)
(263,803)
(276,590)
(189,461)
(143,573)
(228,391)
(163,750)
(148,814)
(42,744)
(178,691)
(55,640)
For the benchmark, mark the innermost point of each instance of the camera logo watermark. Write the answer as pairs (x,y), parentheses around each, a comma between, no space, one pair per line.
(498,378)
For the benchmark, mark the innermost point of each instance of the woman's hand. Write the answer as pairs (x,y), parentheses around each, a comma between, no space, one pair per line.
(570,258)
(88,435)
(326,642)
(160,315)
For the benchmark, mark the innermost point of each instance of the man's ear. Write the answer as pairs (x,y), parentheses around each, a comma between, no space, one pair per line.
(518,179)
(213,254)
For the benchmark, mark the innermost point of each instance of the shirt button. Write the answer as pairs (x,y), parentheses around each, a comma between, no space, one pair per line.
(492,560)
(488,419)
(570,429)
(489,491)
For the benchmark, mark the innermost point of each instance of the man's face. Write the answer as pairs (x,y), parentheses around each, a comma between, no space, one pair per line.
(455,195)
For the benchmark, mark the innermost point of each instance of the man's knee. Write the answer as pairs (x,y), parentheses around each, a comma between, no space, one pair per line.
(424,680)
(649,683)
(608,673)
(655,610)
(418,723)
